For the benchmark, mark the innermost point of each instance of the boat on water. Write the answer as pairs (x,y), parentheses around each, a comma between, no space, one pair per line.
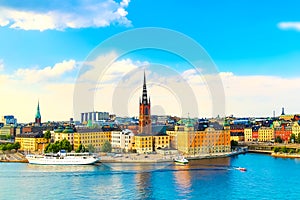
(242,169)
(63,158)
(181,161)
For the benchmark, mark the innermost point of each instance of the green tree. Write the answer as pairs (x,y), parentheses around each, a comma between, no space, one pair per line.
(17,145)
(276,149)
(293,138)
(81,149)
(284,149)
(298,138)
(278,139)
(66,145)
(47,135)
(233,143)
(292,151)
(57,146)
(9,146)
(91,148)
(106,147)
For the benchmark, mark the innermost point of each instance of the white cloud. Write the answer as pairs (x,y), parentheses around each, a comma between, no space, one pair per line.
(82,14)
(22,89)
(289,25)
(245,95)
(45,74)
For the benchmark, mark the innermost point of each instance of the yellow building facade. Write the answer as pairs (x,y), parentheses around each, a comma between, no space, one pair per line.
(193,142)
(265,134)
(248,134)
(31,142)
(143,143)
(296,129)
(93,137)
(161,142)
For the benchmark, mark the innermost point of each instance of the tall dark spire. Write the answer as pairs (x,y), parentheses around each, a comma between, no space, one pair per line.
(38,113)
(144,96)
(38,117)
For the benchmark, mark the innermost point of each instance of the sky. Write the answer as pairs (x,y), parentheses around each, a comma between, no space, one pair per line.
(50,48)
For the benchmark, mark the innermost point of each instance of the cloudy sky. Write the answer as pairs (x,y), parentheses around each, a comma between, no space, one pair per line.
(50,47)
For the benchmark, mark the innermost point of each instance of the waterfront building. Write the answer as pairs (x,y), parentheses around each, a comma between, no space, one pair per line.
(237,131)
(248,134)
(90,136)
(265,134)
(284,132)
(32,141)
(213,139)
(143,143)
(62,133)
(122,140)
(145,125)
(296,128)
(255,133)
(161,141)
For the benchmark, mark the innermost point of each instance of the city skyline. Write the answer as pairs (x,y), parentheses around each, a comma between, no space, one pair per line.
(255,48)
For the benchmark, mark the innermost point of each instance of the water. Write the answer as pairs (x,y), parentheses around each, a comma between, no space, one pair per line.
(266,178)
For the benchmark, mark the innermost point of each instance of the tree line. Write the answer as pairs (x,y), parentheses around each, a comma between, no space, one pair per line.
(285,150)
(10,146)
(66,145)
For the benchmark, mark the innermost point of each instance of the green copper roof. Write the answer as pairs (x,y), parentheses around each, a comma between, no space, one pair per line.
(189,123)
(226,123)
(59,129)
(38,114)
(68,129)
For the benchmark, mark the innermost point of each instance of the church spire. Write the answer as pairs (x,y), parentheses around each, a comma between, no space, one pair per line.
(144,96)
(145,111)
(38,114)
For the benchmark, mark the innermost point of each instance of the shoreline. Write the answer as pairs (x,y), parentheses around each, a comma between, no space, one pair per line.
(151,158)
(285,155)
(13,157)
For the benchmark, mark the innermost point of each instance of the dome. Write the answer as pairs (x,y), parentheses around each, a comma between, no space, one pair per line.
(59,129)
(189,123)
(68,129)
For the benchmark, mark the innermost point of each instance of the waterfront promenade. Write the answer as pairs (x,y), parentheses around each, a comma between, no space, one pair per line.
(12,157)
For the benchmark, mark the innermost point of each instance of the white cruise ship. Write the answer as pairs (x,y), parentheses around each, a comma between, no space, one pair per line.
(63,158)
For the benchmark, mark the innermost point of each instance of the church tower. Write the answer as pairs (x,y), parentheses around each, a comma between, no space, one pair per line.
(38,118)
(145,111)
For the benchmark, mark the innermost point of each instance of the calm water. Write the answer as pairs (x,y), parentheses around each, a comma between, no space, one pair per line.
(266,178)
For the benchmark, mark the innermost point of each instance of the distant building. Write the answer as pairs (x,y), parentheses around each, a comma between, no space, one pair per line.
(9,120)
(94,116)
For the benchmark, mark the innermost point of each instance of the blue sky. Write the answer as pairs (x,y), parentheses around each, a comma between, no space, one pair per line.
(247,38)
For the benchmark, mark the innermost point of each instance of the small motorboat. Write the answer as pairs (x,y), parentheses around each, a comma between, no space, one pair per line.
(181,161)
(242,169)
